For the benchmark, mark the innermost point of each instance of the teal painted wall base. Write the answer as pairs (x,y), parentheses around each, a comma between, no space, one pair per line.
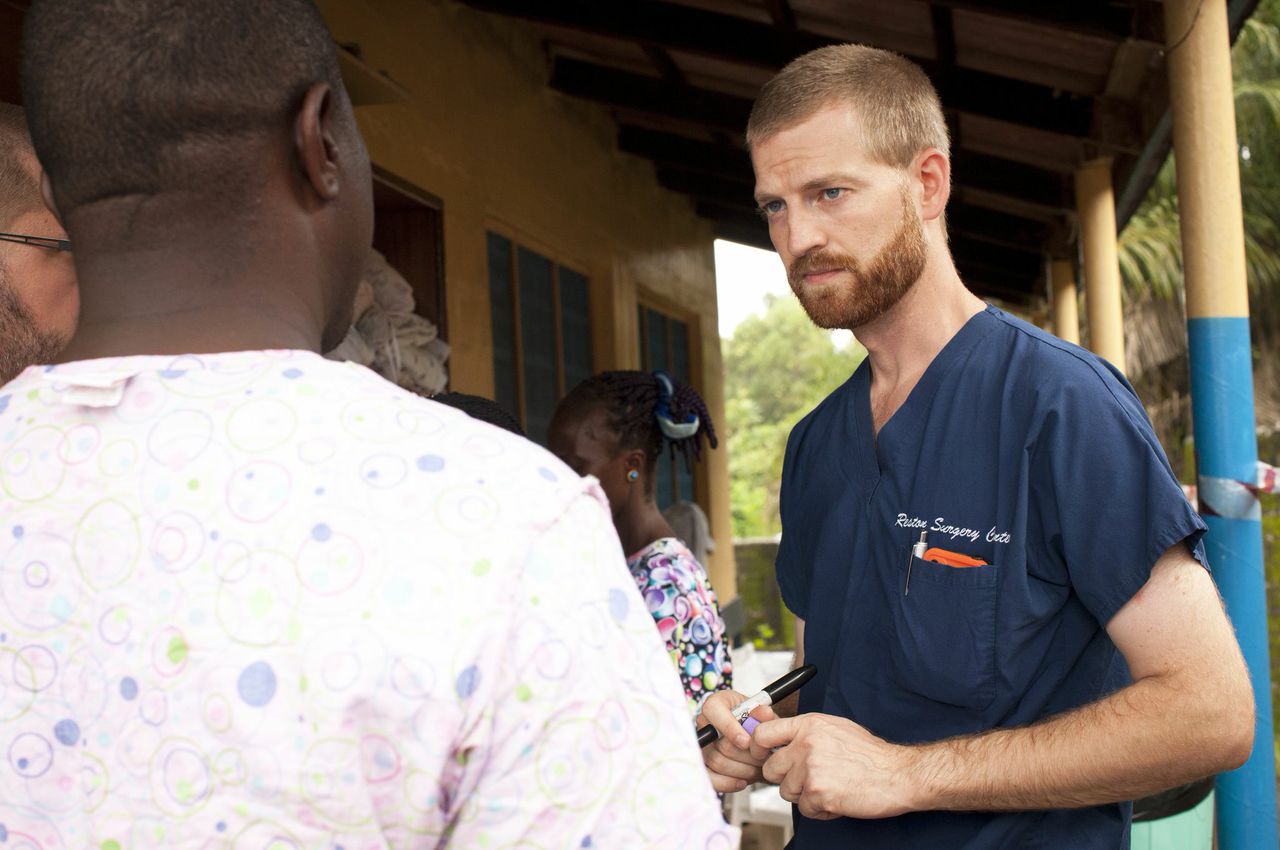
(1191,830)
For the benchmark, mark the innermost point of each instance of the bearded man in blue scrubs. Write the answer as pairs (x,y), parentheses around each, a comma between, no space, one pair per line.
(998,577)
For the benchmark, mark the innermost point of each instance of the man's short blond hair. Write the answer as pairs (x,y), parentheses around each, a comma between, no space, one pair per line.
(898,106)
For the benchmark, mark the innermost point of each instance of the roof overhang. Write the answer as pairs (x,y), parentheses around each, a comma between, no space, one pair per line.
(1030,91)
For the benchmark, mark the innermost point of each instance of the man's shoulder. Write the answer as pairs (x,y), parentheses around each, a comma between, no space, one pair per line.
(445,450)
(1056,371)
(292,430)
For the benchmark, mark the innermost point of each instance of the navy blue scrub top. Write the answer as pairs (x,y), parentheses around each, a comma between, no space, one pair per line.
(1014,447)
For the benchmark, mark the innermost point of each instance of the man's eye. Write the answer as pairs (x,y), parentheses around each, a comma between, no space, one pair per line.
(831,194)
(771,207)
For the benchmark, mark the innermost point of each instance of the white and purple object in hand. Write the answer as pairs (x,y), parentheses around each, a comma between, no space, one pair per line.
(772,693)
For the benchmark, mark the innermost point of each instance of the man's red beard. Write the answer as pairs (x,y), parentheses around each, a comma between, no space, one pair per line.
(870,294)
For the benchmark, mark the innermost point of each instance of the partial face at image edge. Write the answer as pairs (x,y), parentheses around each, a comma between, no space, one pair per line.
(39,299)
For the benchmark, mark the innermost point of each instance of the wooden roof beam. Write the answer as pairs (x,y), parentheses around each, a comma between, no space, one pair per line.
(1026,261)
(1109,20)
(720,210)
(1006,100)
(944,49)
(668,25)
(613,87)
(665,65)
(673,149)
(672,26)
(997,228)
(1010,179)
(944,34)
(675,25)
(782,15)
(734,223)
(726,190)
(743,235)
(989,280)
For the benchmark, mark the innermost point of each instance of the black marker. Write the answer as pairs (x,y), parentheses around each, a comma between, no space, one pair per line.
(771,694)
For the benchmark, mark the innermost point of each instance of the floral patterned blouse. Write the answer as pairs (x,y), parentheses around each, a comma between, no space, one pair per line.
(679,596)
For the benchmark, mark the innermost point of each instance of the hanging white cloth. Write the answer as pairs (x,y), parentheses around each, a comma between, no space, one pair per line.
(389,337)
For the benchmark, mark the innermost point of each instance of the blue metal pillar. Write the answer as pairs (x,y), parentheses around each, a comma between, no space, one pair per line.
(1202,100)
(1226,442)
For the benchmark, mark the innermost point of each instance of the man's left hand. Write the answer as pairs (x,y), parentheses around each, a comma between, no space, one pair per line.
(831,767)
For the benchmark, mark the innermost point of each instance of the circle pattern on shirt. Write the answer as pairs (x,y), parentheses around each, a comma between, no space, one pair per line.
(161,665)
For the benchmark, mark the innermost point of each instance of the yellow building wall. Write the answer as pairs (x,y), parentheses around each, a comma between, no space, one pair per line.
(483,133)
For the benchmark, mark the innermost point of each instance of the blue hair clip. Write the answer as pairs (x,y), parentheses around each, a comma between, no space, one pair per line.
(672,429)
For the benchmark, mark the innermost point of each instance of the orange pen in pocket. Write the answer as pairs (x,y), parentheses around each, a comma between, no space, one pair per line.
(952,559)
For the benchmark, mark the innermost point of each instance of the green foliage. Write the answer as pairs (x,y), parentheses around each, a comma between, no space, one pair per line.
(1150,245)
(777,368)
(1269,447)
(1271,569)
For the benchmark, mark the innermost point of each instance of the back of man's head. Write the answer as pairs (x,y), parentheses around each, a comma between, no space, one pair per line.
(141,97)
(19,184)
(198,146)
(899,109)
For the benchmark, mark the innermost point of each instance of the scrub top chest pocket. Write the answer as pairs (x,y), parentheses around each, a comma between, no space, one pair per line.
(945,642)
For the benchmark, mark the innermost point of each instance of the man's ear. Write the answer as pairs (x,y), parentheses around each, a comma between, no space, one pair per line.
(315,142)
(933,170)
(46,193)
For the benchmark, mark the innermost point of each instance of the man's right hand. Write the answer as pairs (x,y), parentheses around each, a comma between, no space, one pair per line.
(729,761)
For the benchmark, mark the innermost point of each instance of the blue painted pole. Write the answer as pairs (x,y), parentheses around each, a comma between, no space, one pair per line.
(1222,404)
(1207,155)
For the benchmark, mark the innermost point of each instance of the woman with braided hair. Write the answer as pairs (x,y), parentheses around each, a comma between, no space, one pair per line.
(615,426)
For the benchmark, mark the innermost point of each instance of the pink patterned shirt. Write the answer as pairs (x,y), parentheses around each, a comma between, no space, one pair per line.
(678,595)
(262,600)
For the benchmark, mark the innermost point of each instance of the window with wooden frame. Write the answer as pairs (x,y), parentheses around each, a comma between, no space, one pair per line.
(408,231)
(541,321)
(667,342)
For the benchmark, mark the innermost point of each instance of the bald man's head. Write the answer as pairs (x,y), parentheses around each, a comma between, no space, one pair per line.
(39,302)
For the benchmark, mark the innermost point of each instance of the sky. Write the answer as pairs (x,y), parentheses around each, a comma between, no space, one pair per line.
(744,276)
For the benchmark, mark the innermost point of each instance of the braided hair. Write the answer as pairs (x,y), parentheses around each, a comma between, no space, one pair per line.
(648,410)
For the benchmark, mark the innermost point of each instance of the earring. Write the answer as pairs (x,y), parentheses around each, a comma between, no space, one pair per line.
(633,475)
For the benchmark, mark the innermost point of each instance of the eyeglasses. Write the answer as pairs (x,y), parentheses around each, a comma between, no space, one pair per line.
(39,241)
